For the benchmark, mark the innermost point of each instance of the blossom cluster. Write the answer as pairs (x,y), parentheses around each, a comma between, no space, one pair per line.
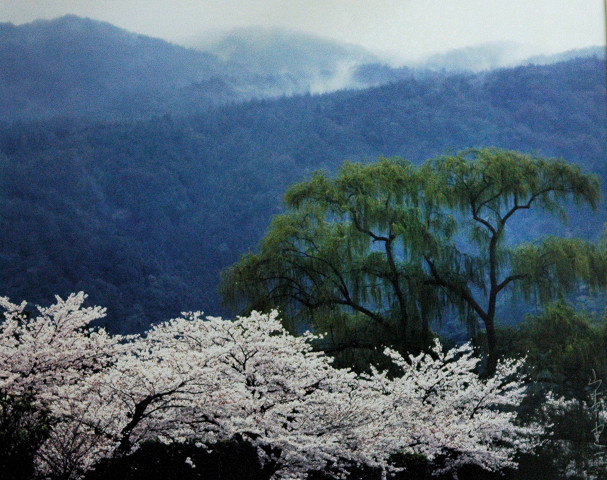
(207,380)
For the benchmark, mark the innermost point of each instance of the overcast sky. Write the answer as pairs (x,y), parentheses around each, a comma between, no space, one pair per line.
(401,28)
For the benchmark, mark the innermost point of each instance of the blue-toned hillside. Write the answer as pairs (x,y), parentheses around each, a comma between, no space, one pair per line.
(144,214)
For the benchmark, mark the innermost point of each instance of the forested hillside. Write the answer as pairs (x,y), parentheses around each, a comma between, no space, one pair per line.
(83,68)
(78,67)
(143,214)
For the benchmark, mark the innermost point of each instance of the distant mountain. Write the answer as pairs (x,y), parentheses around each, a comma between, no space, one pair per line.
(487,56)
(303,63)
(475,59)
(74,66)
(493,55)
(144,214)
(590,52)
(78,67)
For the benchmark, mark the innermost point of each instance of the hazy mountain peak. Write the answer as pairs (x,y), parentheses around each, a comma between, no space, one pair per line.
(73,65)
(497,54)
(73,25)
(306,62)
(598,52)
(476,58)
(232,44)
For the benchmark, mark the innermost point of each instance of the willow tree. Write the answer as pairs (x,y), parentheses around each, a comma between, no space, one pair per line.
(346,258)
(378,252)
(487,190)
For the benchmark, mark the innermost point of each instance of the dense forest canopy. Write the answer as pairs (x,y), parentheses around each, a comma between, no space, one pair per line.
(146,213)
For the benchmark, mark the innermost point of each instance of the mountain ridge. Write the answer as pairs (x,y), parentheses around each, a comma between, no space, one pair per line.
(143,214)
(73,66)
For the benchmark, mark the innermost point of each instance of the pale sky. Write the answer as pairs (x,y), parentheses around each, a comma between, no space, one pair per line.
(401,28)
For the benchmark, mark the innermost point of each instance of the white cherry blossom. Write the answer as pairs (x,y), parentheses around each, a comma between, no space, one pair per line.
(208,380)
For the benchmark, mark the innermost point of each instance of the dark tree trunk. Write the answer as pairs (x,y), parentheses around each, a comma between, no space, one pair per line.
(491,349)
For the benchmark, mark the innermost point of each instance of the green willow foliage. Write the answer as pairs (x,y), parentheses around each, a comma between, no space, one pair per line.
(563,347)
(348,252)
(379,252)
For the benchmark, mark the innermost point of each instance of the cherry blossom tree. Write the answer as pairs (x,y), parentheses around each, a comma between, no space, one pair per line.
(212,380)
(439,407)
(43,355)
(207,380)
(55,347)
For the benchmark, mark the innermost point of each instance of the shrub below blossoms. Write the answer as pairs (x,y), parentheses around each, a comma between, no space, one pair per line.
(211,380)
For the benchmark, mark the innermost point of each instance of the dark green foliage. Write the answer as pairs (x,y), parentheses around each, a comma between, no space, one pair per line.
(565,349)
(353,473)
(562,347)
(568,449)
(238,461)
(417,467)
(23,429)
